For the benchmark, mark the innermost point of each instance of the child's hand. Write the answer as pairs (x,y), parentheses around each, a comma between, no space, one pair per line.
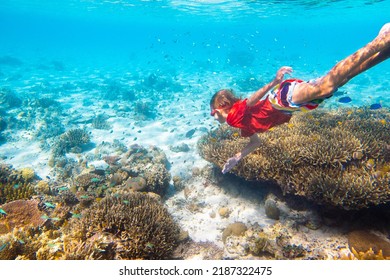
(231,162)
(281,72)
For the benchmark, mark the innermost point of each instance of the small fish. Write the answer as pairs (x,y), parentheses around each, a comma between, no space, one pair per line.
(339,123)
(2,212)
(95,180)
(16,186)
(49,205)
(45,217)
(76,215)
(84,196)
(62,189)
(236,134)
(135,138)
(126,202)
(375,106)
(190,133)
(344,99)
(383,121)
(3,246)
(149,245)
(290,125)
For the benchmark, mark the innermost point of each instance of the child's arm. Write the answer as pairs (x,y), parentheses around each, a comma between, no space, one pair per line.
(261,92)
(252,145)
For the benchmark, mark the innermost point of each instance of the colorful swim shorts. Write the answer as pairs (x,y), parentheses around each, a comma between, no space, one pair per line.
(281,97)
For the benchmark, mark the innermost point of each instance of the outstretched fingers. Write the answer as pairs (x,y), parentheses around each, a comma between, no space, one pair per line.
(283,71)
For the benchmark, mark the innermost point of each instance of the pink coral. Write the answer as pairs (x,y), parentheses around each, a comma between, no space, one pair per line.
(20,213)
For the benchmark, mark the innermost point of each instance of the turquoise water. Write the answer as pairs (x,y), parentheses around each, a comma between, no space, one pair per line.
(186,35)
(189,41)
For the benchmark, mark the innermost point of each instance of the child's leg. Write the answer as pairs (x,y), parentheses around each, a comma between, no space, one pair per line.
(372,61)
(366,57)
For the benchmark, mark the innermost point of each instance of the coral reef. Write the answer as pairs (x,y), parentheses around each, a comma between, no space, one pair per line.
(15,184)
(100,122)
(144,110)
(27,173)
(338,158)
(369,255)
(241,241)
(88,179)
(20,213)
(20,243)
(136,225)
(150,164)
(236,229)
(115,90)
(15,191)
(71,141)
(9,99)
(362,241)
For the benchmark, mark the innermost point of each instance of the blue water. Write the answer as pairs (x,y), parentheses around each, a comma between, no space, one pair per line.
(230,40)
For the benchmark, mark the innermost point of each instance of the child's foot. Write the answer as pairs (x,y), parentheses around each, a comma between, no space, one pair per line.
(385,28)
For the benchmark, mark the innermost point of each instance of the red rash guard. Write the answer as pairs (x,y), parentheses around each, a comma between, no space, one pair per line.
(258,118)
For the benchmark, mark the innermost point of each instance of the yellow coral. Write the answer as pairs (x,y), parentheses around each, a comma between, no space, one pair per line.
(369,255)
(42,187)
(27,173)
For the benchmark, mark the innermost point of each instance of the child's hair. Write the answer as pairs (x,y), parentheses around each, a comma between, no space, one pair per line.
(223,98)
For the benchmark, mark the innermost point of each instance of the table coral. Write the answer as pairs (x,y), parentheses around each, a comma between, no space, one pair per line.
(339,158)
(20,213)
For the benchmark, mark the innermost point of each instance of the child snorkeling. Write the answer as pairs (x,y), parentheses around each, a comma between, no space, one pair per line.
(254,114)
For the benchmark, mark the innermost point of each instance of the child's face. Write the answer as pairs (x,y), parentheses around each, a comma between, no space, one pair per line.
(220,115)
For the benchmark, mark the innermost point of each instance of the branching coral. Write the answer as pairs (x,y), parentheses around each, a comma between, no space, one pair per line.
(365,245)
(20,243)
(138,226)
(15,184)
(100,122)
(339,158)
(72,140)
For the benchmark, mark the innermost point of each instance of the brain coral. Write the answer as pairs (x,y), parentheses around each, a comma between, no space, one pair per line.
(339,158)
(139,225)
